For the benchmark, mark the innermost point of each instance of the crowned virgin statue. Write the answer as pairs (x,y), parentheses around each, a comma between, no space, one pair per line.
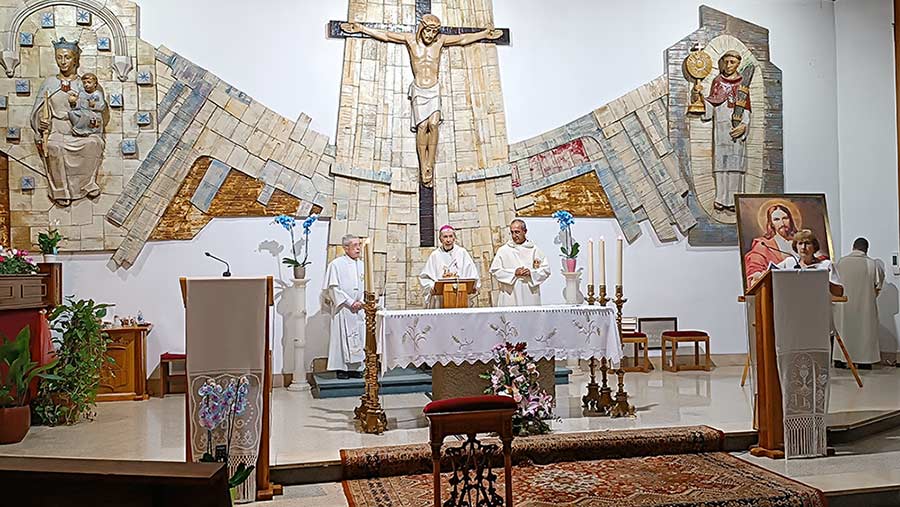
(72,156)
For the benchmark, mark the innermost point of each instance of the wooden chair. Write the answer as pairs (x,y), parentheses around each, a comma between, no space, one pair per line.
(468,416)
(676,337)
(638,340)
(164,378)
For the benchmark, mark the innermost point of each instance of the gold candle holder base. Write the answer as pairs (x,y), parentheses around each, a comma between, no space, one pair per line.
(369,413)
(621,408)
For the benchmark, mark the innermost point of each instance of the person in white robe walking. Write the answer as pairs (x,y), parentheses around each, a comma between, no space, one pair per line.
(520,268)
(343,292)
(857,319)
(448,260)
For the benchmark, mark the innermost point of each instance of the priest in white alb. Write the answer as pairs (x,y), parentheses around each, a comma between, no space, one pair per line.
(520,268)
(343,293)
(448,260)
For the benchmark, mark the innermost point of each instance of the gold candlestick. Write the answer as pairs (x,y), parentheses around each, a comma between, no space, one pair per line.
(602,300)
(621,408)
(589,401)
(369,412)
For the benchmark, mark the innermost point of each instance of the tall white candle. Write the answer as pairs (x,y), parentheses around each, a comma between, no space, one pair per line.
(590,262)
(369,266)
(602,261)
(619,259)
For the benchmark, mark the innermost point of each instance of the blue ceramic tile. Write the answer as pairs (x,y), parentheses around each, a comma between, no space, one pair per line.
(13,133)
(104,44)
(144,77)
(26,39)
(143,118)
(47,20)
(3,102)
(129,147)
(116,100)
(23,86)
(83,17)
(27,183)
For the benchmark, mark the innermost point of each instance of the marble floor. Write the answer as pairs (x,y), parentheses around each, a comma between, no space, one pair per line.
(305,430)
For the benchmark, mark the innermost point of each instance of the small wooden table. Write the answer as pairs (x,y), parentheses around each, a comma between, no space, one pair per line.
(126,379)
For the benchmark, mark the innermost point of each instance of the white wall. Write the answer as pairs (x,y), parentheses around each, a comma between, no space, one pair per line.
(566,59)
(868,141)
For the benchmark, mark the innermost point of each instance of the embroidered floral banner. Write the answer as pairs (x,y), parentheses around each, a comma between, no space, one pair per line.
(429,337)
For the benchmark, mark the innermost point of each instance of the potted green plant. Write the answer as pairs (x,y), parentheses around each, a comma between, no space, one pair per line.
(16,262)
(80,344)
(49,244)
(15,377)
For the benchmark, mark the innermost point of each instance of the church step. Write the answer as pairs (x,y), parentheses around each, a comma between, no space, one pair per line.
(396,381)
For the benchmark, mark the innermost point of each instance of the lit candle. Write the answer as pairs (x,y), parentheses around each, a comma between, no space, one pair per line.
(619,259)
(590,262)
(602,261)
(369,266)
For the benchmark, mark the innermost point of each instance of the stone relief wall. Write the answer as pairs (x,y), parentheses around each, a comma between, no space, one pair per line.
(182,146)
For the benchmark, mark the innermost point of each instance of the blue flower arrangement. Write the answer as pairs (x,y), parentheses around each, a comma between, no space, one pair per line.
(565,219)
(289,222)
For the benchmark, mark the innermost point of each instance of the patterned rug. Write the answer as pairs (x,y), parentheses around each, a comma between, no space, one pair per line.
(714,479)
(664,467)
(541,449)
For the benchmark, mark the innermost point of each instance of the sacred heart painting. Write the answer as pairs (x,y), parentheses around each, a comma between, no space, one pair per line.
(766,226)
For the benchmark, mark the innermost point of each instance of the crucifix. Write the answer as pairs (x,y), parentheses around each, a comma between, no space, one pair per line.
(424,43)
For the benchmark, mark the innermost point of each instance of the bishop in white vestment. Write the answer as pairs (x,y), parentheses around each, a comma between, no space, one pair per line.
(343,290)
(448,260)
(521,268)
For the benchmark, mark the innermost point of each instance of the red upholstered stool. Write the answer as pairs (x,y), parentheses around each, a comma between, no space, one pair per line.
(164,377)
(638,340)
(468,416)
(676,337)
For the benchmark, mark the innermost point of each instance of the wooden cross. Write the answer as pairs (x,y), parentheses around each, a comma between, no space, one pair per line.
(423,7)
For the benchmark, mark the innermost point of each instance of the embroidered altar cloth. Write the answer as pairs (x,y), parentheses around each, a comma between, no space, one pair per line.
(444,336)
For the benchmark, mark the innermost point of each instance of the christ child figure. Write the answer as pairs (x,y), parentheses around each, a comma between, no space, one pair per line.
(87,106)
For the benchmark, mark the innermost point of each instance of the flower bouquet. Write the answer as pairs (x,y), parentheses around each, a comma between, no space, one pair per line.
(220,406)
(570,249)
(515,374)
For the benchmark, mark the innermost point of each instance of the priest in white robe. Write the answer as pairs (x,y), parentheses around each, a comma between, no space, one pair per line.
(520,268)
(448,260)
(343,293)
(857,319)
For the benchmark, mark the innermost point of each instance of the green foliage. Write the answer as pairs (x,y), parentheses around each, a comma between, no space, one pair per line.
(49,241)
(571,254)
(16,262)
(81,354)
(20,370)
(294,263)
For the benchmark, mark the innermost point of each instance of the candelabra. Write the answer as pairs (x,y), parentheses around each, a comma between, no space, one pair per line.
(598,399)
(369,412)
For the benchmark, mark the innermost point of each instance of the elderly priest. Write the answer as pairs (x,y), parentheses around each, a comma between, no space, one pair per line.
(448,260)
(521,268)
(343,293)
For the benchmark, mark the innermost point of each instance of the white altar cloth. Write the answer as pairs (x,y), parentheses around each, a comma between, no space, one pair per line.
(443,336)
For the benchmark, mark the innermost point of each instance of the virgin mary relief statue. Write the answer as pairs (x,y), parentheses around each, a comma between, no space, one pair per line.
(68,120)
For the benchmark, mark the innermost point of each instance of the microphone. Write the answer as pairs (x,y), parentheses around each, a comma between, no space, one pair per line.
(223,261)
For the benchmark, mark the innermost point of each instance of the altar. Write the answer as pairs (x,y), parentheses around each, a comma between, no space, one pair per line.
(458,343)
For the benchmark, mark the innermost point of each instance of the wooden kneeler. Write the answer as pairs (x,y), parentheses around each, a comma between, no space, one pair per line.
(468,416)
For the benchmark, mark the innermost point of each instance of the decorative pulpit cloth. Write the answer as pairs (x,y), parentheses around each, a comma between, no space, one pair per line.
(225,325)
(430,337)
(802,317)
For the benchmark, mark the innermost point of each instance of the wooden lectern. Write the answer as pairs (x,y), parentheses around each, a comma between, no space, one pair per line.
(265,490)
(455,291)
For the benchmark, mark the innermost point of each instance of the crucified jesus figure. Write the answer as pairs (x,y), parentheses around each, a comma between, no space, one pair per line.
(424,47)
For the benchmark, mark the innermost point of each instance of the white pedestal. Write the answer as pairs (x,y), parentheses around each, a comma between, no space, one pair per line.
(296,325)
(573,296)
(572,293)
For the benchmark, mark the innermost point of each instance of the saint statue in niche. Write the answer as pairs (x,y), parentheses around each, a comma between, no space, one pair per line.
(728,106)
(68,118)
(424,47)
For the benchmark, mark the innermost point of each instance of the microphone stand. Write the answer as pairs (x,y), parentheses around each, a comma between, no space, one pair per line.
(227,272)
